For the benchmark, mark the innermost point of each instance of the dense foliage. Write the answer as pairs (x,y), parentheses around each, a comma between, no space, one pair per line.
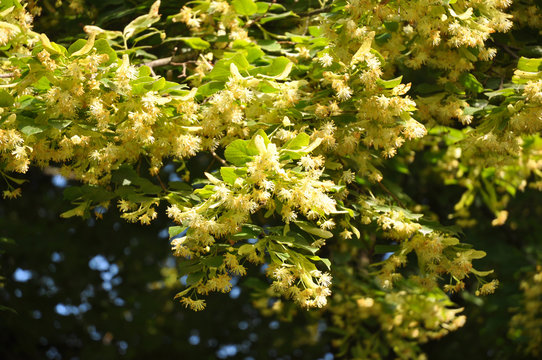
(363,155)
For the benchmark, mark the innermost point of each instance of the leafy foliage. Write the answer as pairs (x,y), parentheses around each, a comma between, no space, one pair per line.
(322,123)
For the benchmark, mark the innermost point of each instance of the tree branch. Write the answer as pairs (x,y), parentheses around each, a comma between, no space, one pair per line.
(172,60)
(159,62)
(507,49)
(162,185)
(392,195)
(315,12)
(222,161)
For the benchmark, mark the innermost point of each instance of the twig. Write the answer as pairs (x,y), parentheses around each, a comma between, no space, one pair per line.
(315,12)
(159,62)
(250,22)
(183,74)
(183,64)
(171,60)
(161,183)
(210,165)
(8,75)
(507,49)
(222,161)
(392,195)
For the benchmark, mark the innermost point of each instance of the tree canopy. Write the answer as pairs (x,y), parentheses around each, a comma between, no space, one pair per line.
(360,177)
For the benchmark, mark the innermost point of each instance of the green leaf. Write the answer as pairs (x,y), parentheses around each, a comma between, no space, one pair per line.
(194,278)
(450,135)
(158,84)
(230,174)
(468,54)
(205,192)
(269,45)
(175,230)
(31,129)
(390,84)
(325,261)
(103,47)
(276,68)
(210,88)
(355,231)
(196,43)
(293,241)
(140,24)
(245,249)
(470,83)
(300,141)
(6,99)
(248,232)
(72,193)
(59,123)
(5,308)
(180,186)
(316,31)
(77,211)
(294,154)
(276,17)
(252,51)
(239,152)
(281,255)
(221,70)
(277,7)
(475,254)
(15,180)
(88,192)
(266,87)
(52,47)
(529,65)
(213,261)
(383,249)
(127,176)
(245,7)
(89,44)
(189,266)
(182,293)
(305,226)
(391,25)
(501,92)
(481,273)
(263,7)
(144,71)
(77,45)
(262,133)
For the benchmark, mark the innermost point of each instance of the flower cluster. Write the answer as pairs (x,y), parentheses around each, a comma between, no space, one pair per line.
(264,180)
(403,317)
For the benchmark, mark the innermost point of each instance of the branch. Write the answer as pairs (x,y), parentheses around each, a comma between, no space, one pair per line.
(222,161)
(159,62)
(315,12)
(172,60)
(183,64)
(250,22)
(392,195)
(507,49)
(7,75)
(161,183)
